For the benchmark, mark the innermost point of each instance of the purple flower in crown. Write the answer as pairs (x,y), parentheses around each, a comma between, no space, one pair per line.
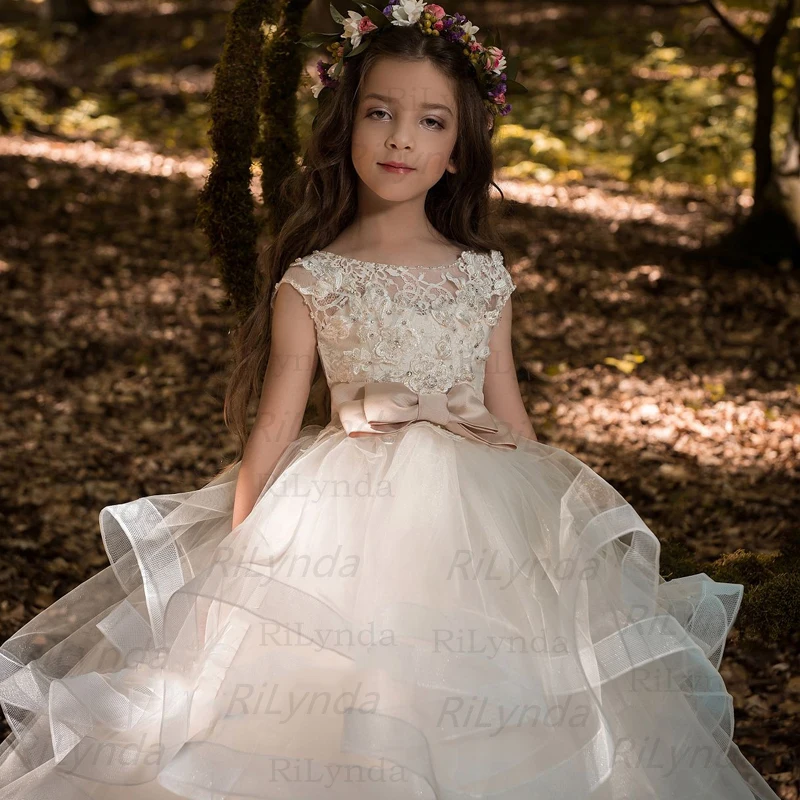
(324,69)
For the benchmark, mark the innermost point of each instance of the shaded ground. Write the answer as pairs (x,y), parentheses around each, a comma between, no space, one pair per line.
(676,379)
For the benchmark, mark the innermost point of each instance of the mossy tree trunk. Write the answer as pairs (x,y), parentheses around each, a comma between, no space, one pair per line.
(225,208)
(279,145)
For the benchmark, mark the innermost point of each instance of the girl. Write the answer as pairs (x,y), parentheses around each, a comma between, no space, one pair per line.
(417,599)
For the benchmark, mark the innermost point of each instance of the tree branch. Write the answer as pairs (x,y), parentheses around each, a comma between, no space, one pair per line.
(750,44)
(741,36)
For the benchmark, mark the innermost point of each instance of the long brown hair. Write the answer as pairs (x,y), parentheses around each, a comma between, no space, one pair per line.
(320,200)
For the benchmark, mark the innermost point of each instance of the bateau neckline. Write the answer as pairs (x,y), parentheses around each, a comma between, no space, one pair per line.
(455,263)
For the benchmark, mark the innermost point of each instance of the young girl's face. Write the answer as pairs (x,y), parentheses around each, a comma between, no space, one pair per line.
(406,112)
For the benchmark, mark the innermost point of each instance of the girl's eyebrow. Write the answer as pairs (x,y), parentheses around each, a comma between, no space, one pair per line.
(428,106)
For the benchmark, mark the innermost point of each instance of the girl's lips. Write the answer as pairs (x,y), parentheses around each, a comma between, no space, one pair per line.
(397,170)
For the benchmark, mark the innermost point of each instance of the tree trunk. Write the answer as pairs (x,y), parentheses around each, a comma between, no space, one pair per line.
(765,117)
(786,180)
(78,12)
(772,231)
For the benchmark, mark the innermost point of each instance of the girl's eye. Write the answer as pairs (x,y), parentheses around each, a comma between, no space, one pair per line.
(436,123)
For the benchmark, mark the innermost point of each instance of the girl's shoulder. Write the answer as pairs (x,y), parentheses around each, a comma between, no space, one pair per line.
(497,272)
(299,275)
(498,279)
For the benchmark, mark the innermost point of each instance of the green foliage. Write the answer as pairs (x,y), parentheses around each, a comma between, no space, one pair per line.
(534,153)
(147,109)
(658,104)
(699,122)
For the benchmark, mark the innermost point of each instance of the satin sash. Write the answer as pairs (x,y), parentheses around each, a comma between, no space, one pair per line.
(370,407)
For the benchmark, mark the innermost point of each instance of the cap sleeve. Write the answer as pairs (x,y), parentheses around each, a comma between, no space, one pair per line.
(302,279)
(500,287)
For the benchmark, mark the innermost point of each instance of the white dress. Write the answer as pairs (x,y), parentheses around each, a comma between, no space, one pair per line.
(432,609)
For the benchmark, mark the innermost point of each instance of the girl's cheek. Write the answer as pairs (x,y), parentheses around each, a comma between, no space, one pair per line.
(361,147)
(435,162)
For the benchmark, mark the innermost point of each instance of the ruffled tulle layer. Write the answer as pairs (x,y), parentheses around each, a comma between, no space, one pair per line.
(412,615)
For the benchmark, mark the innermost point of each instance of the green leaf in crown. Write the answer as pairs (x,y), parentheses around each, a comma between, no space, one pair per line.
(512,87)
(375,14)
(489,39)
(512,65)
(316,39)
(363,45)
(337,17)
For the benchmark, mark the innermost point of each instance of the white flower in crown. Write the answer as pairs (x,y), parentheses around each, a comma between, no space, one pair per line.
(317,88)
(407,12)
(469,28)
(356,26)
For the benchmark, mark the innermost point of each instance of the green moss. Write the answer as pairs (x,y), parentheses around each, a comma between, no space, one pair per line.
(677,560)
(770,609)
(744,567)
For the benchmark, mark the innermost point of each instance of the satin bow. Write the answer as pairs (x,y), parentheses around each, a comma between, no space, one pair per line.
(370,407)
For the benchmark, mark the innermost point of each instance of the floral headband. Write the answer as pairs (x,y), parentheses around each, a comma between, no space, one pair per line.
(495,74)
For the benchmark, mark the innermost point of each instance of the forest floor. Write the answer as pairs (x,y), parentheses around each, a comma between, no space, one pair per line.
(675,378)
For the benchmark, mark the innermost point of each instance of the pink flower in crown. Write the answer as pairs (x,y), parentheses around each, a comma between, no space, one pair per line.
(438,25)
(437,11)
(356,26)
(475,47)
(496,61)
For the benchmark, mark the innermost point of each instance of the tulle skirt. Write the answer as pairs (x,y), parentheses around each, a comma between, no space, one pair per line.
(407,615)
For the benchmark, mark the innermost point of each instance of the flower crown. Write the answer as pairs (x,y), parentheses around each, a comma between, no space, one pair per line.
(495,74)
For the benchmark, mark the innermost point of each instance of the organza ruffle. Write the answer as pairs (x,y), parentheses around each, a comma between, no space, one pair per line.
(412,615)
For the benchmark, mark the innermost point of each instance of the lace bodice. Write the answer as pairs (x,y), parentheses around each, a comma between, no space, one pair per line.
(428,328)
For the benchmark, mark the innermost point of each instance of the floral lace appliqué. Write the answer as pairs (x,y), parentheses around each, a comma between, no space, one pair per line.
(427,328)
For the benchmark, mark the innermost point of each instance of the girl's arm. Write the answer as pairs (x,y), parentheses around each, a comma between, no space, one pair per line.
(501,392)
(284,395)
